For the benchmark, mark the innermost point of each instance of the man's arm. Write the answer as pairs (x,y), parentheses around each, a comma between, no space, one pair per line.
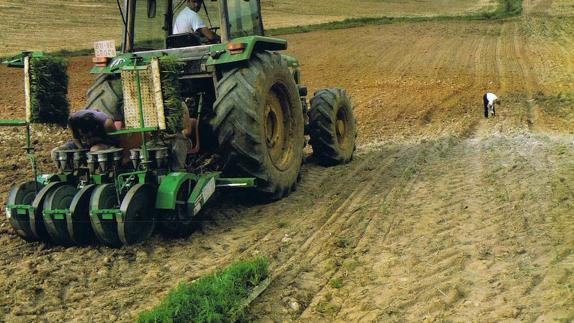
(109,125)
(213,37)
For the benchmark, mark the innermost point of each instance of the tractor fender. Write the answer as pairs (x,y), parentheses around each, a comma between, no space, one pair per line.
(167,191)
(220,54)
(294,67)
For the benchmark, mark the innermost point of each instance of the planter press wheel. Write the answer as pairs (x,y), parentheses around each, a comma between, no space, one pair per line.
(104,197)
(22,194)
(180,223)
(78,223)
(137,221)
(59,199)
(36,217)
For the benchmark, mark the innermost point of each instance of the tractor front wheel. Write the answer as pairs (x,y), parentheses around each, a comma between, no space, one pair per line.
(332,127)
(259,123)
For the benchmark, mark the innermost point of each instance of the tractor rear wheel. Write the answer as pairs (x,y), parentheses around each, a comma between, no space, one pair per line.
(106,96)
(332,127)
(259,124)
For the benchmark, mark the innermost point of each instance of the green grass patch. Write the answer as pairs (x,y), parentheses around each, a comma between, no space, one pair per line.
(217,297)
(336,283)
(282,224)
(48,90)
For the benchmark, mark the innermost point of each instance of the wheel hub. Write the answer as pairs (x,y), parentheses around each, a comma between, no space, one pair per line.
(271,133)
(278,128)
(342,130)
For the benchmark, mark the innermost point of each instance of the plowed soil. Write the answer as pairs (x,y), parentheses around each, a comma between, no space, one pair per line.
(443,215)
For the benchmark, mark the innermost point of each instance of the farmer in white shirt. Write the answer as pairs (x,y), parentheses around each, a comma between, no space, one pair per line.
(188,21)
(490,99)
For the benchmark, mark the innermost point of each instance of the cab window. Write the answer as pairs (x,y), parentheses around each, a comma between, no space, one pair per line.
(149,33)
(244,18)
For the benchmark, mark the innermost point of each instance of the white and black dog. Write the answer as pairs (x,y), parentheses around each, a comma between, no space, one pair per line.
(490,99)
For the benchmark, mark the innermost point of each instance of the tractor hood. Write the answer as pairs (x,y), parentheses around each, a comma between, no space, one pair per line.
(116,64)
(240,49)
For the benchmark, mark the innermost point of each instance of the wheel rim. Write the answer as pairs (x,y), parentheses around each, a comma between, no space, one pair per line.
(279,127)
(138,215)
(104,197)
(22,194)
(59,199)
(78,223)
(342,127)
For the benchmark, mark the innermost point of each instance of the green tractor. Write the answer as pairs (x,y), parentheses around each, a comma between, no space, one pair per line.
(250,113)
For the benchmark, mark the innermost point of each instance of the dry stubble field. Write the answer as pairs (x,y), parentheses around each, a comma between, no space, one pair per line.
(443,215)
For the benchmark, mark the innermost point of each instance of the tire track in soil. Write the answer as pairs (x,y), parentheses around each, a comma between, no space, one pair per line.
(316,249)
(456,240)
(510,223)
(380,223)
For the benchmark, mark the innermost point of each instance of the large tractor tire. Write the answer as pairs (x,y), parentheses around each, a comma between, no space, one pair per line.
(332,127)
(106,96)
(259,124)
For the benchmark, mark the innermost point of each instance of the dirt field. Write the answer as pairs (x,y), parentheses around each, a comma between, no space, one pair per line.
(443,215)
(81,22)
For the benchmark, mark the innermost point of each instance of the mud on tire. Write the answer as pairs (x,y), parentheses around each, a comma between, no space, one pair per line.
(259,124)
(332,127)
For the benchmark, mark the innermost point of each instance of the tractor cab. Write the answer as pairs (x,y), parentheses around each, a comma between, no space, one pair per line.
(149,24)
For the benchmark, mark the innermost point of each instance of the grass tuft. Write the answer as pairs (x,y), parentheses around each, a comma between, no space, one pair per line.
(172,99)
(336,283)
(215,298)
